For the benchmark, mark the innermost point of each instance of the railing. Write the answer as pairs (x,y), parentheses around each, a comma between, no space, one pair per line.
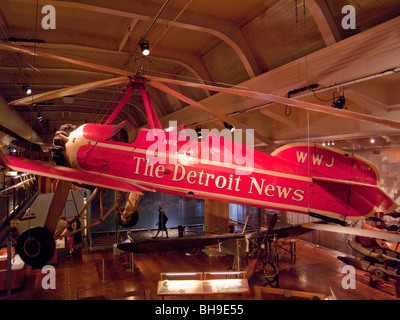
(17,193)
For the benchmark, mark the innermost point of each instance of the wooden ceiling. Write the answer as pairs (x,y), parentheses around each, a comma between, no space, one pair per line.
(267,46)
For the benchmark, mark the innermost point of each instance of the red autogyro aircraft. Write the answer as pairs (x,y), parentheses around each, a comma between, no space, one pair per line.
(301,177)
(305,178)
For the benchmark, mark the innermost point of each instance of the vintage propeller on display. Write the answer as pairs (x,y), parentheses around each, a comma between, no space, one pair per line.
(160,83)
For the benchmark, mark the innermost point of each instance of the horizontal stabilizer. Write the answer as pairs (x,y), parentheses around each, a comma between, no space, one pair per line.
(360,198)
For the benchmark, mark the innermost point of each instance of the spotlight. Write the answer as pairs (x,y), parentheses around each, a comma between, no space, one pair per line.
(229,126)
(339,103)
(323,143)
(27,89)
(372,140)
(144,47)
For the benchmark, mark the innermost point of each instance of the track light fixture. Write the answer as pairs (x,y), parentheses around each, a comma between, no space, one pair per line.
(144,47)
(329,143)
(26,88)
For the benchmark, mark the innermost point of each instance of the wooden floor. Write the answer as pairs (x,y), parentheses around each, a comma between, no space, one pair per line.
(83,276)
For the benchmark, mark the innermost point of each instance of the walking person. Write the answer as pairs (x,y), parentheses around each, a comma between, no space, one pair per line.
(70,239)
(162,222)
(77,235)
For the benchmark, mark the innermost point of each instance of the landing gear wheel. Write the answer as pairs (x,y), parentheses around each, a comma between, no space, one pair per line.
(127,223)
(36,246)
(270,272)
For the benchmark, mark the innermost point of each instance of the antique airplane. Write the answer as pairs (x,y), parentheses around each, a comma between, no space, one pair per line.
(302,177)
(380,258)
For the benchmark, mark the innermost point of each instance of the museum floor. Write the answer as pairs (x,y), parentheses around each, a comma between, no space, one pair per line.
(102,275)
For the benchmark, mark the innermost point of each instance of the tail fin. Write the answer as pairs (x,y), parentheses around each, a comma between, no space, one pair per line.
(349,182)
(316,160)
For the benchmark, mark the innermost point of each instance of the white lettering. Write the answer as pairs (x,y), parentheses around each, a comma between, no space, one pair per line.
(317,159)
(49,20)
(301,157)
(217,182)
(49,280)
(258,187)
(176,170)
(330,165)
(191,174)
(349,20)
(298,195)
(283,191)
(157,135)
(160,170)
(349,280)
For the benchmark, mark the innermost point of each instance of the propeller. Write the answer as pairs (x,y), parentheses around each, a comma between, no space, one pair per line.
(156,81)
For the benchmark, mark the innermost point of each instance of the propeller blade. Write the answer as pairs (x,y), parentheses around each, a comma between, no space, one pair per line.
(222,117)
(41,97)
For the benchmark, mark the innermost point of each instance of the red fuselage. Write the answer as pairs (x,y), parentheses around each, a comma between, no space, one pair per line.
(217,168)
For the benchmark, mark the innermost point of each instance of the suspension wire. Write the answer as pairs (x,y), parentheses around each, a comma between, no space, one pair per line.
(132,53)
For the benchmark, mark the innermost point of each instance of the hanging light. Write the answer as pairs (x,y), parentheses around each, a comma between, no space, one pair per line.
(229,126)
(339,102)
(27,89)
(144,47)
(198,131)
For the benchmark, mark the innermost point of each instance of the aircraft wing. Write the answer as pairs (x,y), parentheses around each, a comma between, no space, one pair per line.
(48,169)
(172,244)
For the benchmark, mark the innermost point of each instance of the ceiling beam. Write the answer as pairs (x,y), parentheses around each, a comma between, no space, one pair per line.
(371,104)
(225,30)
(283,120)
(322,16)
(127,34)
(187,60)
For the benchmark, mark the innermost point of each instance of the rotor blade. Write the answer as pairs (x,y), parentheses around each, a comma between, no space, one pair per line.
(222,117)
(69,91)
(283,100)
(52,56)
(244,93)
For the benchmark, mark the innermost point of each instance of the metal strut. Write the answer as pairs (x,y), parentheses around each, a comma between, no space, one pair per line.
(152,118)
